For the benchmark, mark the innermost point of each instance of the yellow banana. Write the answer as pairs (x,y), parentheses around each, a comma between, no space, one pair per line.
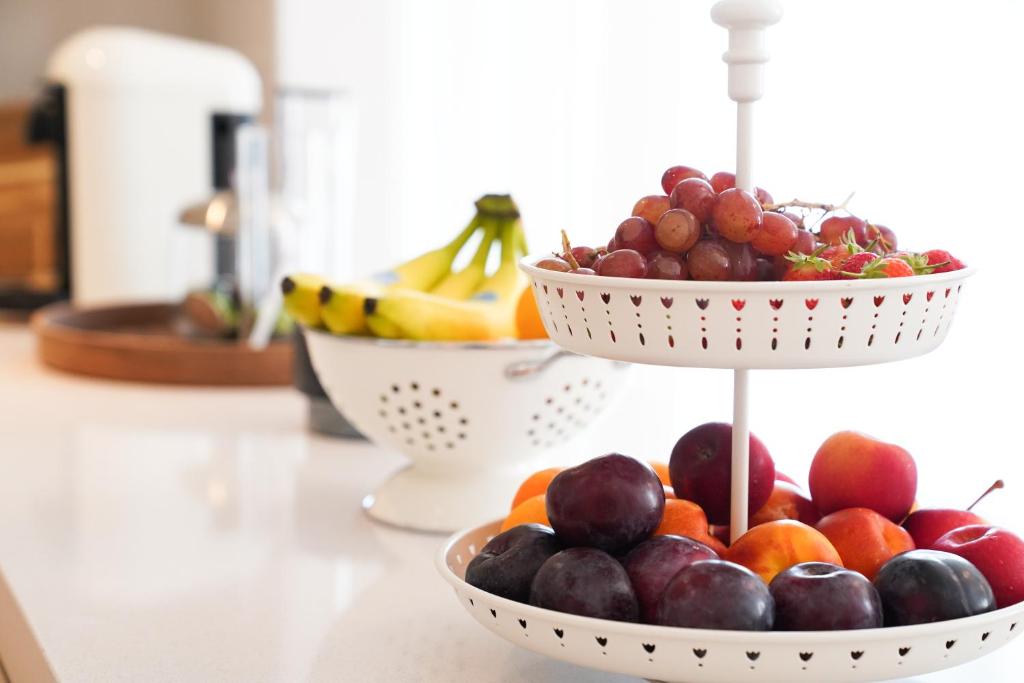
(342,306)
(464,283)
(488,315)
(302,298)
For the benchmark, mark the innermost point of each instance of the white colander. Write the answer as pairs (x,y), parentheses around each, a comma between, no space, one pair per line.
(746,324)
(472,417)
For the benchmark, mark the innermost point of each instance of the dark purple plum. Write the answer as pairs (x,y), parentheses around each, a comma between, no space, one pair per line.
(923,586)
(507,564)
(653,563)
(611,502)
(818,596)
(719,595)
(585,581)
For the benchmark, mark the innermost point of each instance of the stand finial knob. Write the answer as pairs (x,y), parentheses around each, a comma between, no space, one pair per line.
(747,55)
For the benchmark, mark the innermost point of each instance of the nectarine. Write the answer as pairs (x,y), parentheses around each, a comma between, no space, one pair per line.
(770,548)
(864,539)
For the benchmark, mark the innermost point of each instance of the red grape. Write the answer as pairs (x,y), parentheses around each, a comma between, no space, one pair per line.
(696,196)
(886,237)
(553,263)
(708,260)
(677,231)
(583,271)
(678,174)
(623,263)
(651,207)
(723,180)
(834,230)
(742,261)
(612,246)
(777,234)
(664,265)
(737,215)
(805,242)
(797,219)
(766,270)
(585,256)
(763,196)
(635,233)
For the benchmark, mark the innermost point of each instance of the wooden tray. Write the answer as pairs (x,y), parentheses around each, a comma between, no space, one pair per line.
(152,343)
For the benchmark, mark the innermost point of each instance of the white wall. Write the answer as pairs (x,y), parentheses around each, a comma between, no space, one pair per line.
(576,107)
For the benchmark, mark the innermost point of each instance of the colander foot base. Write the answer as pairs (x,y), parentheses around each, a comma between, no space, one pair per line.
(440,501)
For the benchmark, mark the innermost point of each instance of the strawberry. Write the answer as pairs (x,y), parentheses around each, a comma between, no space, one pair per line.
(942,261)
(887,266)
(809,268)
(855,263)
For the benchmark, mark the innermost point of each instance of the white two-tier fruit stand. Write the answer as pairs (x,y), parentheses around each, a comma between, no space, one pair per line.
(741,326)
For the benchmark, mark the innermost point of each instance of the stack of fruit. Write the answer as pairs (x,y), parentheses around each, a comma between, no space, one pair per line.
(616,538)
(708,229)
(424,299)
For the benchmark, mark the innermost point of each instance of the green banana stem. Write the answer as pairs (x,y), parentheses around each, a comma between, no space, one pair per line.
(509,242)
(484,249)
(455,246)
(521,238)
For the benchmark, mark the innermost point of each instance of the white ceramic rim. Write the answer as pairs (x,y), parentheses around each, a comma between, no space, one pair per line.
(698,286)
(698,634)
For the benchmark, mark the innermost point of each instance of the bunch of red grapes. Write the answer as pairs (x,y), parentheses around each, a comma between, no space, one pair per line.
(708,229)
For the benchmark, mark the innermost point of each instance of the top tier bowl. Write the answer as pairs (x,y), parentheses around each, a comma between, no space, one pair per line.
(746,324)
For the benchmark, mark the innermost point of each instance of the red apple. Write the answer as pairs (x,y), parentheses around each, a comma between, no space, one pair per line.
(997,553)
(927,526)
(855,470)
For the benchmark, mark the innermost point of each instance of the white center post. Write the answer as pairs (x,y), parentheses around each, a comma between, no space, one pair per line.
(746,21)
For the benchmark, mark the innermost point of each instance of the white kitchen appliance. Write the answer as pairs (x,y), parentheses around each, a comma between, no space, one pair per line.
(144,125)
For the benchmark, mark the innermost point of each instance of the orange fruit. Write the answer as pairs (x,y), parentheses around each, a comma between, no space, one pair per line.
(535,484)
(714,544)
(528,322)
(661,469)
(683,518)
(530,511)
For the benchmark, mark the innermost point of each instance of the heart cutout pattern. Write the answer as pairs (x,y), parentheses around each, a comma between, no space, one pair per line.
(950,644)
(857,654)
(522,622)
(601,641)
(984,636)
(806,656)
(702,304)
(775,303)
(494,614)
(928,296)
(666,301)
(559,632)
(606,297)
(561,292)
(636,299)
(904,651)
(752,656)
(738,304)
(699,652)
(811,304)
(649,647)
(879,300)
(579,294)
(907,298)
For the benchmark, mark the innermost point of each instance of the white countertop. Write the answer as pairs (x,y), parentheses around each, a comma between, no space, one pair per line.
(169,534)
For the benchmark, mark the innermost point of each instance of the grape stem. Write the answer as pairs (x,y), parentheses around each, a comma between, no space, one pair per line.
(828,208)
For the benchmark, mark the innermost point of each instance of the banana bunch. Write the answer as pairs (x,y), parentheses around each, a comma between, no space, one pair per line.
(424,299)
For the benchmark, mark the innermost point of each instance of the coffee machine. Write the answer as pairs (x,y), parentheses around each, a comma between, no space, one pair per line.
(143,124)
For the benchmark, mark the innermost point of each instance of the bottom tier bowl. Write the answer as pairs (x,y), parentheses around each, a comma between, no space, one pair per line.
(473,418)
(682,655)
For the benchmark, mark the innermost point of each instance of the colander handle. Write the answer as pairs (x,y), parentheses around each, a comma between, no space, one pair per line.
(528,368)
